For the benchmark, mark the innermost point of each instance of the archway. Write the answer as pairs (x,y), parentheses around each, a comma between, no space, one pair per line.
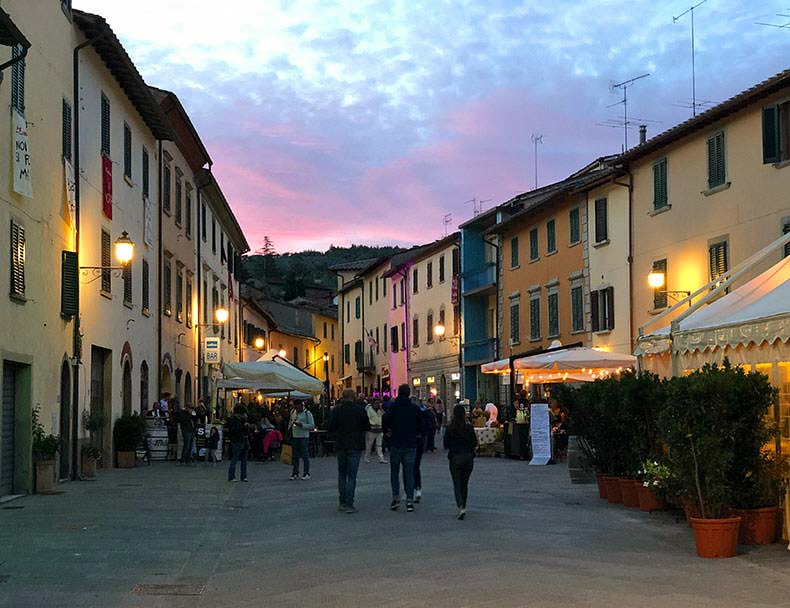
(188,389)
(65,420)
(144,402)
(126,388)
(166,376)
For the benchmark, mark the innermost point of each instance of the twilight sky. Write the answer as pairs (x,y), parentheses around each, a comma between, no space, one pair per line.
(366,121)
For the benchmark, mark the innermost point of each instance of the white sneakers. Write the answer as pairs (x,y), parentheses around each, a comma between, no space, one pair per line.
(417,495)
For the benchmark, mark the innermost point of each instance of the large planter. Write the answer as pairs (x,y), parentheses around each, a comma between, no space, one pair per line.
(716,537)
(45,476)
(690,510)
(601,480)
(648,500)
(758,526)
(613,493)
(88,467)
(126,460)
(628,489)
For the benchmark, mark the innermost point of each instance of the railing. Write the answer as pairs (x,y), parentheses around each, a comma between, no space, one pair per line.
(479,278)
(480,350)
(365,362)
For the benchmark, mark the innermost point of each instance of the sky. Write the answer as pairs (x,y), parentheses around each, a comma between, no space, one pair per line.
(369,121)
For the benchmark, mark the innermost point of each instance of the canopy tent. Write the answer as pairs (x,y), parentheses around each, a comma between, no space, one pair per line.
(496,367)
(577,364)
(273,355)
(270,377)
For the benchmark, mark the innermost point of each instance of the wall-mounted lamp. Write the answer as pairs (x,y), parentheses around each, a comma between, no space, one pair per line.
(124,252)
(657,279)
(259,343)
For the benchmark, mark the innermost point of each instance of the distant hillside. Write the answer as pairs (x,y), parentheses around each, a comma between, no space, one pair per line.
(287,275)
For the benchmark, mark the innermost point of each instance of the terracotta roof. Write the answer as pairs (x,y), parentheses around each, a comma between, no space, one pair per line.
(205,178)
(193,147)
(356,264)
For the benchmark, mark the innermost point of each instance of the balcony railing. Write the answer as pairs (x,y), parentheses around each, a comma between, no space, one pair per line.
(480,350)
(480,278)
(366,362)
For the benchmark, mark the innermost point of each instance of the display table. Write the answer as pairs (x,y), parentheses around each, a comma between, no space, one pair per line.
(485,436)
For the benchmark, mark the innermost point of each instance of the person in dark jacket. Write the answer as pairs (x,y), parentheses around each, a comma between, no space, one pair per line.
(236,431)
(461,442)
(402,424)
(186,421)
(349,423)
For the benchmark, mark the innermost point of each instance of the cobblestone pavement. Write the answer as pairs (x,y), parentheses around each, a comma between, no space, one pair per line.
(164,536)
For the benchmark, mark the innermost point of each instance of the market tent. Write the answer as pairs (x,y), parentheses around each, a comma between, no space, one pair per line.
(273,355)
(270,376)
(573,364)
(496,367)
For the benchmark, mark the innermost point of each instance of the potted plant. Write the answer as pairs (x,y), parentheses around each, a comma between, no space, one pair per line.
(655,479)
(45,446)
(128,434)
(757,497)
(93,422)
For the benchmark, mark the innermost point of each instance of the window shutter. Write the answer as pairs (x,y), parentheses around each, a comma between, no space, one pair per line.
(601,227)
(718,259)
(785,230)
(66,127)
(105,125)
(69,277)
(127,283)
(166,190)
(18,81)
(660,184)
(711,162)
(146,177)
(771,134)
(720,155)
(17,260)
(145,288)
(596,326)
(127,151)
(106,262)
(610,308)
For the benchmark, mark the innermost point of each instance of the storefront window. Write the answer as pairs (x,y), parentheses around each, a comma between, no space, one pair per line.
(783,385)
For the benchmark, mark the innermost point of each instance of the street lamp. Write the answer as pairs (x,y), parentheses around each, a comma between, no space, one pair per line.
(657,279)
(439,330)
(282,353)
(221,315)
(259,342)
(124,252)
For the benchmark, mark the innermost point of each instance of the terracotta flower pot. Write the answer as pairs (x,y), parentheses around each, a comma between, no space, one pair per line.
(716,537)
(613,493)
(126,460)
(601,480)
(629,492)
(45,476)
(649,501)
(758,526)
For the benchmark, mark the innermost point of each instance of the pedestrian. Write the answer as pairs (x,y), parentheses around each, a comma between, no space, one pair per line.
(186,423)
(375,436)
(301,424)
(236,431)
(403,426)
(478,415)
(213,445)
(348,422)
(461,442)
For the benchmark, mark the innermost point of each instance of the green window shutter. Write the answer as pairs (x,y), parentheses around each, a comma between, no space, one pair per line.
(575,226)
(18,81)
(69,286)
(721,172)
(711,162)
(105,125)
(66,129)
(594,317)
(554,315)
(771,153)
(660,184)
(551,236)
(610,308)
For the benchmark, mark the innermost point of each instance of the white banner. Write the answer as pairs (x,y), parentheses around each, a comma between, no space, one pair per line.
(540,433)
(68,171)
(148,222)
(23,183)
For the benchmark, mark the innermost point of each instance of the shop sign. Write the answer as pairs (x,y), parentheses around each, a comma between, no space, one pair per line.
(454,299)
(416,381)
(455,376)
(212,348)
(540,433)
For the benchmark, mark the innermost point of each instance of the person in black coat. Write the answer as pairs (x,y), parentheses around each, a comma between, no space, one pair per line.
(461,442)
(349,423)
(402,425)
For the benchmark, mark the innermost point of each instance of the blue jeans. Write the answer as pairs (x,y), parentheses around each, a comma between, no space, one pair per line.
(347,467)
(299,449)
(238,452)
(189,443)
(404,457)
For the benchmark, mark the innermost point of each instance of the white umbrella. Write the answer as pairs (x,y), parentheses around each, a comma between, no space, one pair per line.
(271,376)
(577,360)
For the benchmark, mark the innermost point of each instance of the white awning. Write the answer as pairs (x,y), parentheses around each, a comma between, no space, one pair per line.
(496,367)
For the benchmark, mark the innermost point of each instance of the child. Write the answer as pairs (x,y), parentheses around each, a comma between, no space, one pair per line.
(213,445)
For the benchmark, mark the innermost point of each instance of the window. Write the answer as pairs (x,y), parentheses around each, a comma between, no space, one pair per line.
(17,260)
(551,237)
(213,235)
(717,168)
(18,81)
(332,332)
(514,252)
(456,262)
(533,244)
(189,301)
(776,133)
(358,351)
(69,281)
(166,190)
(127,151)
(168,288)
(358,307)
(403,336)
(534,316)
(429,277)
(205,303)
(324,330)
(146,174)
(378,344)
(719,263)
(332,363)
(429,327)
(127,283)
(146,288)
(296,356)
(179,296)
(441,269)
(66,129)
(105,125)
(394,298)
(203,221)
(394,339)
(785,230)
(577,308)
(554,313)
(660,191)
(402,291)
(377,289)
(384,335)
(602,309)
(179,215)
(370,293)
(106,262)
(575,235)
(660,293)
(515,320)
(415,333)
(384,287)
(348,312)
(222,258)
(347,353)
(188,212)
(415,281)
(601,221)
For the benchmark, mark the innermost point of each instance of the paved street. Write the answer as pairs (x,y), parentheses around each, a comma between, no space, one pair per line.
(530,539)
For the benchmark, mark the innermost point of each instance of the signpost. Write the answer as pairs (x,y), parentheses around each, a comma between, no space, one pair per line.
(540,431)
(212,350)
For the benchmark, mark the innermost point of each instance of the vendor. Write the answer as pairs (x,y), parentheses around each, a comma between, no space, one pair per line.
(492,412)
(478,416)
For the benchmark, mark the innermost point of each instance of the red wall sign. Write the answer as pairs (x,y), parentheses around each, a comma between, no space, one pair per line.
(106,166)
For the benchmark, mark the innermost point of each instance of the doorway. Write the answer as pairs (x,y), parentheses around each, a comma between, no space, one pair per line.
(8,429)
(101,398)
(126,388)
(188,389)
(65,421)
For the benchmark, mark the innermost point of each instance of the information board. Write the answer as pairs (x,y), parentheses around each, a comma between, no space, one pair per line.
(540,433)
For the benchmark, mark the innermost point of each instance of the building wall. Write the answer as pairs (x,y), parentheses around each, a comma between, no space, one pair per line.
(748,214)
(351,332)
(326,329)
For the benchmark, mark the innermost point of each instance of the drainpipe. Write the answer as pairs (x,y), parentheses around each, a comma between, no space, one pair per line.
(159,273)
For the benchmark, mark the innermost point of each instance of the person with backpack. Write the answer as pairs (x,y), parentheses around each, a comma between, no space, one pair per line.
(461,442)
(402,424)
(348,423)
(236,430)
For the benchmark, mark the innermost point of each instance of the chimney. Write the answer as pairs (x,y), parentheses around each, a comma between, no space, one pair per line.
(642,134)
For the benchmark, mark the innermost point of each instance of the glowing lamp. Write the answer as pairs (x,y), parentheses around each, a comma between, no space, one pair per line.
(124,249)
(221,315)
(282,353)
(439,330)
(259,342)
(656,279)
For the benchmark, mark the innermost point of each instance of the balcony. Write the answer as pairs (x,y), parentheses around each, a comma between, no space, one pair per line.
(480,351)
(366,363)
(480,279)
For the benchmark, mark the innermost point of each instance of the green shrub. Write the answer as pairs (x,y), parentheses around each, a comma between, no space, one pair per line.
(45,446)
(128,432)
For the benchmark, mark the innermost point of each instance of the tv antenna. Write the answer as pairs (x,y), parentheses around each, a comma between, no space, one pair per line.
(625,85)
(477,205)
(693,69)
(537,138)
(447,220)
(783,26)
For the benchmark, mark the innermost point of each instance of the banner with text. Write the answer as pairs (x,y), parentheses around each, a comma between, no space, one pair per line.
(106,185)
(23,182)
(540,432)
(70,191)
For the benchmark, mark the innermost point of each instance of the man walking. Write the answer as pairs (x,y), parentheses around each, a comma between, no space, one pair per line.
(403,425)
(375,435)
(348,422)
(187,424)
(301,424)
(236,431)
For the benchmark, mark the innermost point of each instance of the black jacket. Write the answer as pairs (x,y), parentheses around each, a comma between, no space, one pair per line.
(463,444)
(348,422)
(404,423)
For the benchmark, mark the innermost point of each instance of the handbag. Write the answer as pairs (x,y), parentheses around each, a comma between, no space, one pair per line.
(286,454)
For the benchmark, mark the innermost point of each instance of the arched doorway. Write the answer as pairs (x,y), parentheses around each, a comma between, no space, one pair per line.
(126,388)
(166,378)
(65,420)
(144,402)
(188,389)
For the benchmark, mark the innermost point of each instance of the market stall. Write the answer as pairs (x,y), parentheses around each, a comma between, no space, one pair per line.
(270,376)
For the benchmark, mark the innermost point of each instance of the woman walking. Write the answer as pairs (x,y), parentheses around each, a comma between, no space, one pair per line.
(461,441)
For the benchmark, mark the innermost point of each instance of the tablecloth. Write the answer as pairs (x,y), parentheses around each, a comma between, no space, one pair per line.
(485,435)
